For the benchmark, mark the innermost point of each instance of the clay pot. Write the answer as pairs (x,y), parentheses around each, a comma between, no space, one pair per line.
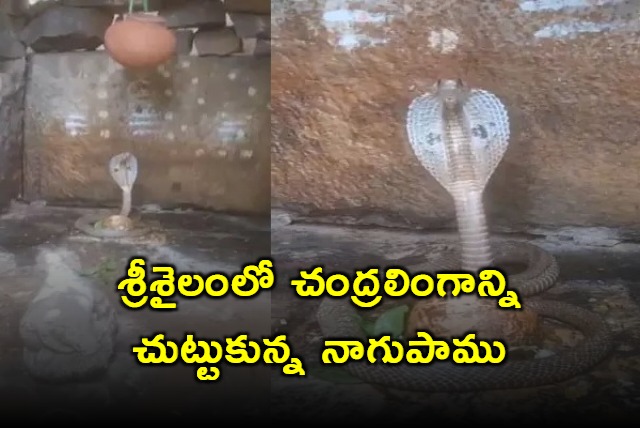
(140,41)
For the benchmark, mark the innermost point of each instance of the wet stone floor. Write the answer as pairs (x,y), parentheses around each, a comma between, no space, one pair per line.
(192,242)
(601,276)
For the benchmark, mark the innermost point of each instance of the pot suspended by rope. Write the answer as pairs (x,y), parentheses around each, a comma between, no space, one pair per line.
(140,40)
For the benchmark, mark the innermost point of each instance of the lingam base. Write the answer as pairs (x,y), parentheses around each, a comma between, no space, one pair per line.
(111,226)
(455,317)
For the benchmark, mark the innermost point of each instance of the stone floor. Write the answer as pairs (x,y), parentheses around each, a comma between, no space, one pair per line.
(597,272)
(192,241)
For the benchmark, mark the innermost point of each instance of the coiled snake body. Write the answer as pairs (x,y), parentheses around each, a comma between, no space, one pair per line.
(459,137)
(337,319)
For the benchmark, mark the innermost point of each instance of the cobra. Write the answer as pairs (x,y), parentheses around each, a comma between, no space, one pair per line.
(459,135)
(123,168)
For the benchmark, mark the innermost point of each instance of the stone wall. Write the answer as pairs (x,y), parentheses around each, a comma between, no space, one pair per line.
(199,125)
(344,73)
(12,91)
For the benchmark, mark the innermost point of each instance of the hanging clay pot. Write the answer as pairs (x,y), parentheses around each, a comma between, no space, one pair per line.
(141,40)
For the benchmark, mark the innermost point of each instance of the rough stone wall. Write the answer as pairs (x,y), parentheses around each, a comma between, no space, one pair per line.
(12,86)
(344,72)
(199,125)
(199,128)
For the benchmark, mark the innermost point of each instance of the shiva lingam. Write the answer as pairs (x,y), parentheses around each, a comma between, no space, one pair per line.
(140,40)
(123,168)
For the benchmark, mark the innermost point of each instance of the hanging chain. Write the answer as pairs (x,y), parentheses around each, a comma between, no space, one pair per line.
(145,5)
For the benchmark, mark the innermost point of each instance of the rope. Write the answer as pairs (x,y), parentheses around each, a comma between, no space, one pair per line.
(145,5)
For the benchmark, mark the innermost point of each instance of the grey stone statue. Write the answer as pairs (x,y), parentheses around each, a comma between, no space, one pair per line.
(69,329)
